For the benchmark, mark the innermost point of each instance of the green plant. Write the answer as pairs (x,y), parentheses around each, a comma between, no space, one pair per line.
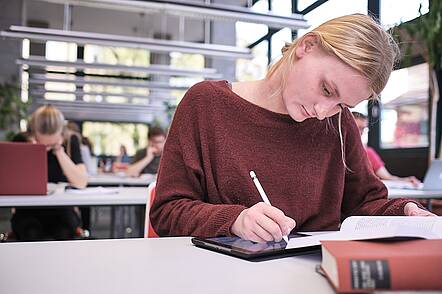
(12,108)
(425,35)
(170,110)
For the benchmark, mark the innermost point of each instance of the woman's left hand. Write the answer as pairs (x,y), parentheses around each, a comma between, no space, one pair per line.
(411,209)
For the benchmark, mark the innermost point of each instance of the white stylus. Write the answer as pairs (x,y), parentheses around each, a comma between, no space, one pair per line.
(263,194)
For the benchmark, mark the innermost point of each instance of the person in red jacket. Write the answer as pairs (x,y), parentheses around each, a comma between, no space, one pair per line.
(375,160)
(293,129)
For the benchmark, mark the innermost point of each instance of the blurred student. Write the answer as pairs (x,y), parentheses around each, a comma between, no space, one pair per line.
(375,160)
(85,148)
(123,157)
(64,165)
(147,160)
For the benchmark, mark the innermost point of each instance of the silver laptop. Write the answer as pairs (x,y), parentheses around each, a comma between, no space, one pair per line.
(433,177)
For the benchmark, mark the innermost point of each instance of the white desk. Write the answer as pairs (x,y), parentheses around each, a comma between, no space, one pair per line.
(409,193)
(121,217)
(419,194)
(121,180)
(164,265)
(125,196)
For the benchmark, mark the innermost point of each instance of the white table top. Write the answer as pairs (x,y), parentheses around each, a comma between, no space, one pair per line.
(116,179)
(163,265)
(410,193)
(124,196)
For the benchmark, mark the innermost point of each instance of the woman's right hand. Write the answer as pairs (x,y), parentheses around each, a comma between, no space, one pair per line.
(412,180)
(262,223)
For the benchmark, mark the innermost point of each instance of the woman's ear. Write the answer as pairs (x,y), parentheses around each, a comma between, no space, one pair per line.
(306,45)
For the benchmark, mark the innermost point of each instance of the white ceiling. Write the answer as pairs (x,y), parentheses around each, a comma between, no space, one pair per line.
(119,22)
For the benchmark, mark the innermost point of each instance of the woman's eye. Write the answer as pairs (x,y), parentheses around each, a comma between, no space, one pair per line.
(326,92)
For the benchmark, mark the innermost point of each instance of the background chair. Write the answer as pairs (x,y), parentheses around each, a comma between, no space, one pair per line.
(148,229)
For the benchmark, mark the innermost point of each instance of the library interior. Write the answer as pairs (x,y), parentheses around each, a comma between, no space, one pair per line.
(287,146)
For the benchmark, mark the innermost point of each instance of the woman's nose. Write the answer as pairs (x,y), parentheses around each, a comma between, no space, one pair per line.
(326,108)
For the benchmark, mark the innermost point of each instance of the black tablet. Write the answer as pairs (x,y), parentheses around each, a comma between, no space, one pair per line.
(249,250)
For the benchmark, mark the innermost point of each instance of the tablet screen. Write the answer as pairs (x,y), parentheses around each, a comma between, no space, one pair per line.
(248,247)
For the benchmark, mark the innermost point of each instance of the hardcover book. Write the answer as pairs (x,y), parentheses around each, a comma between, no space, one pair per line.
(365,266)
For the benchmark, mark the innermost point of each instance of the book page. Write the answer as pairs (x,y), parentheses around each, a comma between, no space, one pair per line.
(376,227)
(394,226)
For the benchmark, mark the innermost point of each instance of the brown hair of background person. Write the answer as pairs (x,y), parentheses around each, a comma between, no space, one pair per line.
(47,127)
(23,137)
(310,166)
(147,160)
(373,157)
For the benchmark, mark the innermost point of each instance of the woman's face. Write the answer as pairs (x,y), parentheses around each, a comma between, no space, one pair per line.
(319,84)
(52,141)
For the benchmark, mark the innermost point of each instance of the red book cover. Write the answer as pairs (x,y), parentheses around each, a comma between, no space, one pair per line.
(365,266)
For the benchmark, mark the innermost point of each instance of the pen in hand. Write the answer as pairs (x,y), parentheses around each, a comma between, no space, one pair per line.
(263,195)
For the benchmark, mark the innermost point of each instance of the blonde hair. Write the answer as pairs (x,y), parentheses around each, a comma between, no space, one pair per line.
(360,42)
(356,39)
(46,120)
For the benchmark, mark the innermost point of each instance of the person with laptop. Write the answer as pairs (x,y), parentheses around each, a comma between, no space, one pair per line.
(375,160)
(292,130)
(47,127)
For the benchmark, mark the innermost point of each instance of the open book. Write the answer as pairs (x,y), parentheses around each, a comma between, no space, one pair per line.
(377,227)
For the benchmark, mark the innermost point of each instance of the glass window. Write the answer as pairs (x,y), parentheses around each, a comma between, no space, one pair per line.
(102,136)
(60,51)
(282,7)
(187,61)
(246,34)
(278,41)
(303,4)
(256,68)
(394,12)
(404,115)
(362,108)
(110,55)
(331,9)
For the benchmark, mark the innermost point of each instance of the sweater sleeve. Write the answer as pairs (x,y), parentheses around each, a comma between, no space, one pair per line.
(181,206)
(364,193)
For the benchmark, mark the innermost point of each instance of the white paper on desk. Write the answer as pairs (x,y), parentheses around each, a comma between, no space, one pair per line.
(395,184)
(376,227)
(93,191)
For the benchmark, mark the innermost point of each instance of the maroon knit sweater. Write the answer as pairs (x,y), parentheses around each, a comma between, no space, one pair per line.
(217,138)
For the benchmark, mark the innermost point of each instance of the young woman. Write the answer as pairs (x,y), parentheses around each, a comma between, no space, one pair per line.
(293,129)
(64,165)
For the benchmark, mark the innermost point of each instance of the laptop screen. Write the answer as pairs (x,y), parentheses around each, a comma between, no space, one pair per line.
(23,169)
